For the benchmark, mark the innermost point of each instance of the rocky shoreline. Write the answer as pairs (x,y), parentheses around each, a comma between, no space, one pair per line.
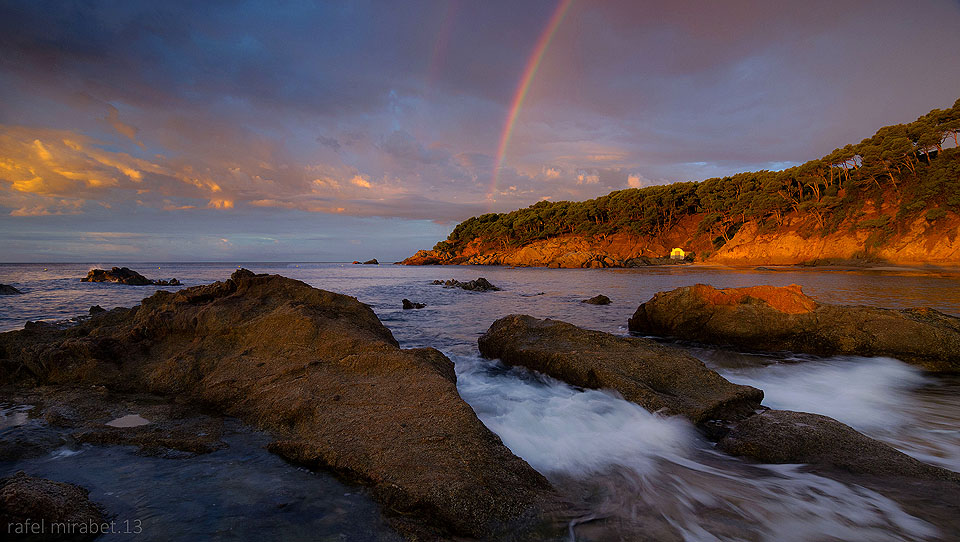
(320,373)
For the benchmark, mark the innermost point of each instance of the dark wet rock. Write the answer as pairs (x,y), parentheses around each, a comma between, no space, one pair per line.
(24,498)
(597,300)
(478,285)
(407,304)
(654,376)
(173,430)
(316,369)
(6,289)
(192,436)
(32,439)
(371,262)
(120,275)
(783,436)
(96,309)
(784,319)
(125,275)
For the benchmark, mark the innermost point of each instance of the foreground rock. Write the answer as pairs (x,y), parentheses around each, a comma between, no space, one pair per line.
(25,500)
(597,300)
(479,285)
(774,319)
(125,275)
(783,436)
(407,305)
(319,371)
(6,289)
(654,376)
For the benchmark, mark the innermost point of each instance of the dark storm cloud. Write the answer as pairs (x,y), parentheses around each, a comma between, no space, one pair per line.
(337,113)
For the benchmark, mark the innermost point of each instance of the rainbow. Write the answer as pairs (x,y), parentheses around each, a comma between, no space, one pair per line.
(533,63)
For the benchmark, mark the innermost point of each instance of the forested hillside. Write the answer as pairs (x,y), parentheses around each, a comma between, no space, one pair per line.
(879,187)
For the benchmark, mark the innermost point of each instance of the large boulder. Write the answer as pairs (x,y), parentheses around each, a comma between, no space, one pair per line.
(769,318)
(783,436)
(29,506)
(654,376)
(319,371)
(6,289)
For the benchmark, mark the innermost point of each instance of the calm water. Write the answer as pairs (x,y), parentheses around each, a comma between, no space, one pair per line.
(635,471)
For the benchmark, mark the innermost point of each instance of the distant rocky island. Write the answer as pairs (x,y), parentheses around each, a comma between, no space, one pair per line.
(893,198)
(125,275)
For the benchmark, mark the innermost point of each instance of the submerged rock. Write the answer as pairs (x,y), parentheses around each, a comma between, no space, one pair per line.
(25,500)
(407,304)
(597,300)
(316,369)
(783,436)
(478,285)
(654,376)
(6,289)
(775,319)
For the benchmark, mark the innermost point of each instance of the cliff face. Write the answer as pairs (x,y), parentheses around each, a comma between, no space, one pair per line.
(921,242)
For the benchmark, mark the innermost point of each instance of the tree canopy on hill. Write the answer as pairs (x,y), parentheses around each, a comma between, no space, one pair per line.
(906,160)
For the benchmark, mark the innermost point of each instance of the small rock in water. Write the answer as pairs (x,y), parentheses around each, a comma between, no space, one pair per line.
(6,289)
(371,262)
(479,285)
(407,304)
(597,300)
(130,420)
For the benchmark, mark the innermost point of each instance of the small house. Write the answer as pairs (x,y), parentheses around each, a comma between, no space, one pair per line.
(677,254)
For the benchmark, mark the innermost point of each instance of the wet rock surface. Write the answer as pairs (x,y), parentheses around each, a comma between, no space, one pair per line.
(784,436)
(407,305)
(477,285)
(25,499)
(125,275)
(654,376)
(6,289)
(167,430)
(316,369)
(769,318)
(597,300)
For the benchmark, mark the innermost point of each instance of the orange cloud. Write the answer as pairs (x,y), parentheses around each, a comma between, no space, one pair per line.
(358,180)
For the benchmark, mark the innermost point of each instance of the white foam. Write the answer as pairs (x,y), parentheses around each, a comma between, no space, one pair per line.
(557,428)
(865,393)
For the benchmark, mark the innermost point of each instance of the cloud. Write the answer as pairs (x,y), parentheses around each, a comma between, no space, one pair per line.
(636,180)
(358,180)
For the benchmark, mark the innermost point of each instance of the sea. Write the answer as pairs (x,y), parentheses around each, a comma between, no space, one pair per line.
(630,474)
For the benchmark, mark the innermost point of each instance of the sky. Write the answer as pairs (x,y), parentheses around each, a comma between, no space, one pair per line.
(333,131)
